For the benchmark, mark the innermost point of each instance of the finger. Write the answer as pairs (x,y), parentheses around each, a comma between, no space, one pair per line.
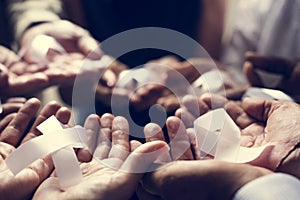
(236,93)
(5,150)
(17,127)
(213,101)
(18,68)
(16,100)
(141,159)
(186,117)
(63,115)
(257,108)
(134,144)
(47,111)
(89,47)
(104,138)
(270,64)
(27,83)
(31,177)
(136,164)
(194,145)
(153,132)
(146,96)
(179,139)
(238,115)
(6,120)
(120,139)
(109,78)
(169,102)
(252,76)
(92,127)
(10,108)
(195,105)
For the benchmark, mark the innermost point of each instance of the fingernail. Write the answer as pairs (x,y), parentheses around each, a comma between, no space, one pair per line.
(151,129)
(120,123)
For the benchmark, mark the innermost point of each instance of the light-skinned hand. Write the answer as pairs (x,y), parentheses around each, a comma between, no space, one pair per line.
(23,185)
(110,173)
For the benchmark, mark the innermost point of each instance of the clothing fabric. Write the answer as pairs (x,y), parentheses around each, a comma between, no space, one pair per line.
(269,27)
(24,13)
(274,186)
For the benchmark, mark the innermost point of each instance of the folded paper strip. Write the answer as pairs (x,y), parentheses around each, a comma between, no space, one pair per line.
(217,135)
(59,143)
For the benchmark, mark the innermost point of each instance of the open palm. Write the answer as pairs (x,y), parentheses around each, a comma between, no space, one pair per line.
(115,169)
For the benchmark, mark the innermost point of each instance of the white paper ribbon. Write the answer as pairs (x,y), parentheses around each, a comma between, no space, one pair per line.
(40,46)
(218,135)
(59,143)
(130,79)
(265,93)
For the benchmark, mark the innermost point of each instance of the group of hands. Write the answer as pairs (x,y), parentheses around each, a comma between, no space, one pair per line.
(107,171)
(21,75)
(114,167)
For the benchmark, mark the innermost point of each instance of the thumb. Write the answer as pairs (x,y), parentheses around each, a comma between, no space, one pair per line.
(89,47)
(141,159)
(252,76)
(275,65)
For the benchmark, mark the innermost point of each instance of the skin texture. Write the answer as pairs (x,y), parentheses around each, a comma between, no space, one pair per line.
(12,135)
(261,122)
(290,70)
(187,180)
(17,77)
(11,106)
(72,37)
(187,174)
(109,173)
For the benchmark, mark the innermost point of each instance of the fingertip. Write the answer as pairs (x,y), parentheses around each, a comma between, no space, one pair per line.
(178,112)
(151,129)
(173,124)
(120,123)
(106,120)
(34,100)
(249,54)
(134,144)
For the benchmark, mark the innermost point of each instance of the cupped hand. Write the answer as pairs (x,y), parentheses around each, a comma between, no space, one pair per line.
(26,182)
(116,167)
(70,36)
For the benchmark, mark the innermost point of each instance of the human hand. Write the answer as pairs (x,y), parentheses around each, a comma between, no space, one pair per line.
(70,36)
(106,86)
(11,106)
(262,122)
(272,122)
(182,141)
(201,179)
(116,167)
(274,65)
(17,77)
(158,92)
(12,135)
